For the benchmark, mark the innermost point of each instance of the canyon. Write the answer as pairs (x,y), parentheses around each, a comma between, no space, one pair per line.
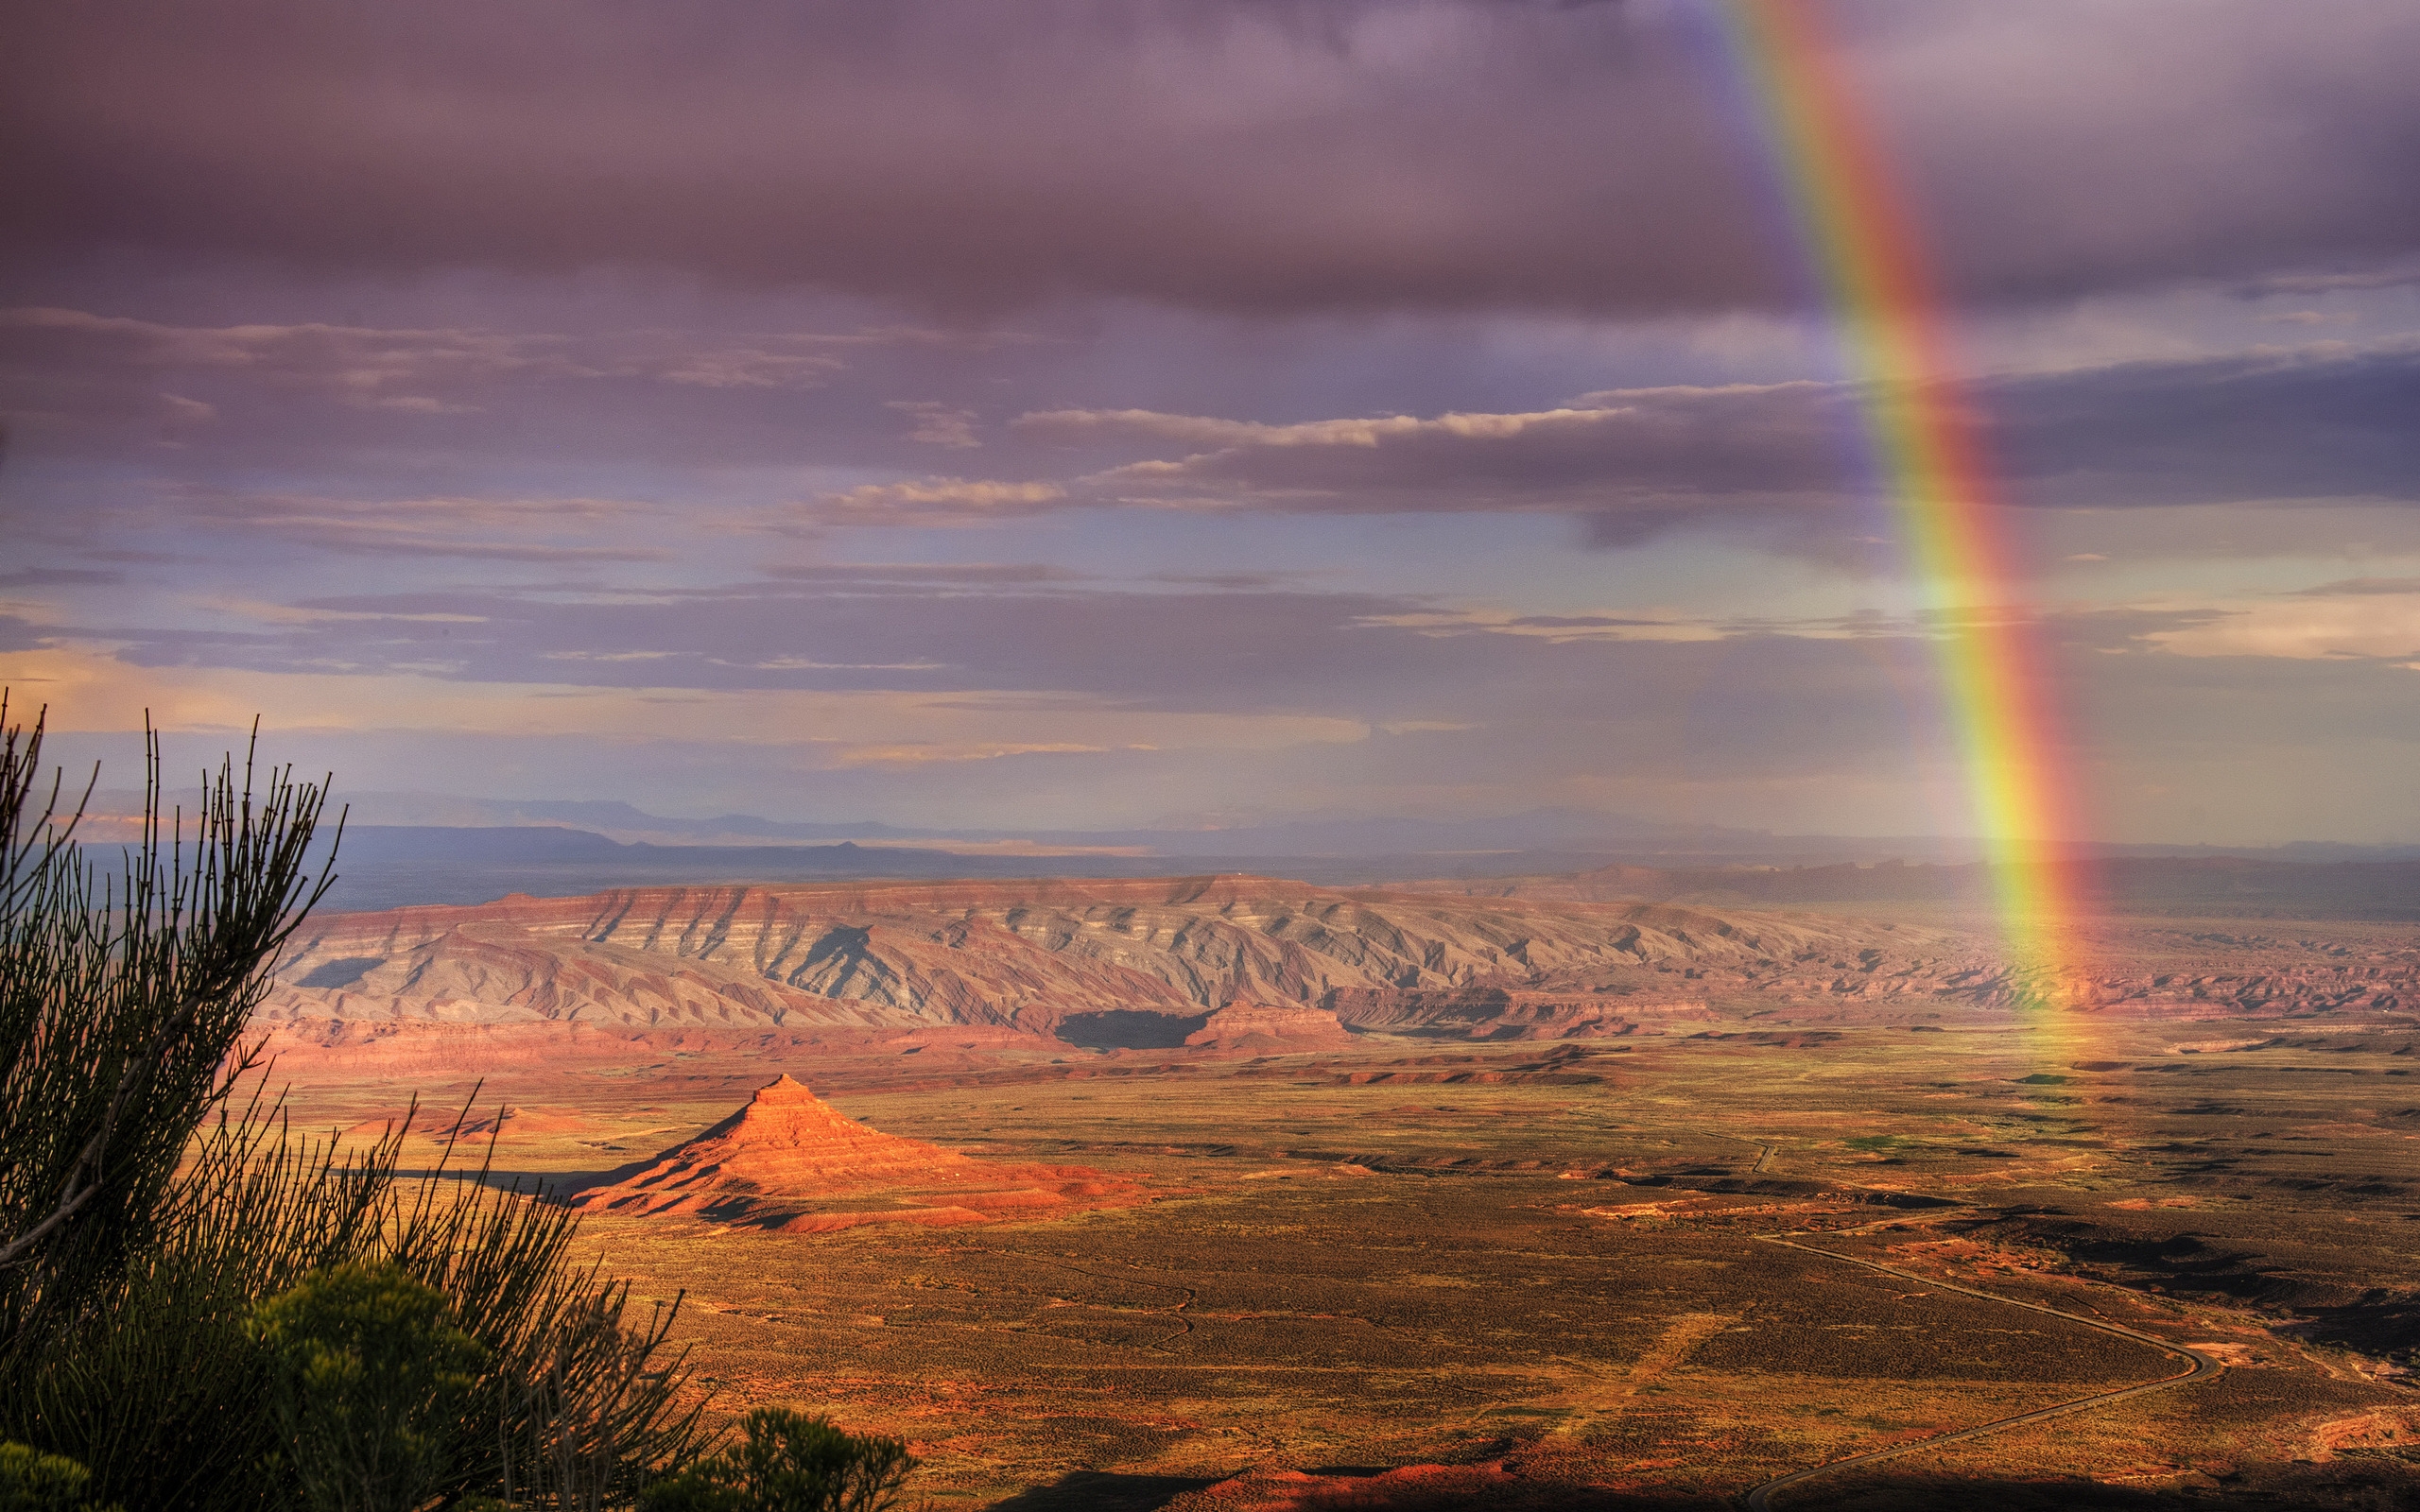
(1238,1192)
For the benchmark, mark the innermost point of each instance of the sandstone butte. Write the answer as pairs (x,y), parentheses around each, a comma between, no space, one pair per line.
(792,1162)
(1267,1029)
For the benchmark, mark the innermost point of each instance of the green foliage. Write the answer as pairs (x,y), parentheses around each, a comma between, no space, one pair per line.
(169,1391)
(790,1462)
(31,1481)
(159,1384)
(369,1374)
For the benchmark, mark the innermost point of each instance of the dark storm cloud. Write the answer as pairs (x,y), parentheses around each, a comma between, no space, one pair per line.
(1318,153)
(2322,422)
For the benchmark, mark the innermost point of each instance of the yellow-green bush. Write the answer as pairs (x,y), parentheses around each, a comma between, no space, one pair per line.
(369,1377)
(31,1481)
(790,1462)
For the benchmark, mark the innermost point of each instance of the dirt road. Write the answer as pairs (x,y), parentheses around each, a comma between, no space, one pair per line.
(2200,1367)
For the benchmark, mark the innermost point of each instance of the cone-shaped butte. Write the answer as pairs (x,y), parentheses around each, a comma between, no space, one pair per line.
(790,1161)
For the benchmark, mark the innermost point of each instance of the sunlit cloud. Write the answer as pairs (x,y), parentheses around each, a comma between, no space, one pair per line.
(2351,620)
(937,501)
(89,690)
(938,424)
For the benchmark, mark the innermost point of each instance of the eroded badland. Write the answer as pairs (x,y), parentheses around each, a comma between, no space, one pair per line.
(1244,1194)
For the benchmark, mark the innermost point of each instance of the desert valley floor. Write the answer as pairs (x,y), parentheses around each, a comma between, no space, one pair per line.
(1306,1198)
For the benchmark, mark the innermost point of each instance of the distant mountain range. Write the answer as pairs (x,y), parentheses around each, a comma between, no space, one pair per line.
(426,849)
(1558,830)
(1550,828)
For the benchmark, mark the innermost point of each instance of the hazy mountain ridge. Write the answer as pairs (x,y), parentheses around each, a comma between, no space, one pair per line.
(1540,829)
(2205,886)
(401,865)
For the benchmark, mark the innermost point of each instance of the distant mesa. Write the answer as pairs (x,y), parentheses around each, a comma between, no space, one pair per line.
(791,1161)
(1264,1029)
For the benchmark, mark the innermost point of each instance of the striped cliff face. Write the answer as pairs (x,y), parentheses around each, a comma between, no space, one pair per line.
(1031,956)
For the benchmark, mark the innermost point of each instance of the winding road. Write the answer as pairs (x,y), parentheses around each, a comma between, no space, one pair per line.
(2201,1368)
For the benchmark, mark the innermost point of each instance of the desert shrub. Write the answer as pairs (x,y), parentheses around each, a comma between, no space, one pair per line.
(790,1462)
(169,1388)
(152,1193)
(368,1376)
(31,1481)
(157,1380)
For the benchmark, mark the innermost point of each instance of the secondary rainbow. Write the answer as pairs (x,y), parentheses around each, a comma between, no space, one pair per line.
(1922,436)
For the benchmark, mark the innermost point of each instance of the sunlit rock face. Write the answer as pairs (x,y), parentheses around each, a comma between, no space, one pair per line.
(1259,1028)
(791,1161)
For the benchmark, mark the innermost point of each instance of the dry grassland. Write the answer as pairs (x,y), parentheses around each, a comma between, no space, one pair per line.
(1545,1263)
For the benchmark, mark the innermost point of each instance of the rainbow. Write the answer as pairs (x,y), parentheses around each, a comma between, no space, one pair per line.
(1921,433)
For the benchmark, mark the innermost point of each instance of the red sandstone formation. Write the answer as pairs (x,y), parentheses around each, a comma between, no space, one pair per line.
(1261,1029)
(790,1161)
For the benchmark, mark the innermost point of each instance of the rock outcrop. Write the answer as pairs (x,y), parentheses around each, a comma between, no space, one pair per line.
(791,1161)
(1261,1029)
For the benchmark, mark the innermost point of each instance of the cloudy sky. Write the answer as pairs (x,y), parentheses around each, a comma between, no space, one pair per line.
(1094,415)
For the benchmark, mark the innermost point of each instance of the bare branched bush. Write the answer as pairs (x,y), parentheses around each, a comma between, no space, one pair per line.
(122,994)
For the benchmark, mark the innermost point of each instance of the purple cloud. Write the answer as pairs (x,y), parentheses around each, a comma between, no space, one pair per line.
(1336,154)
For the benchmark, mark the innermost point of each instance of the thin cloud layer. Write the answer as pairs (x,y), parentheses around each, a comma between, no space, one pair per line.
(2349,621)
(423,372)
(1327,708)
